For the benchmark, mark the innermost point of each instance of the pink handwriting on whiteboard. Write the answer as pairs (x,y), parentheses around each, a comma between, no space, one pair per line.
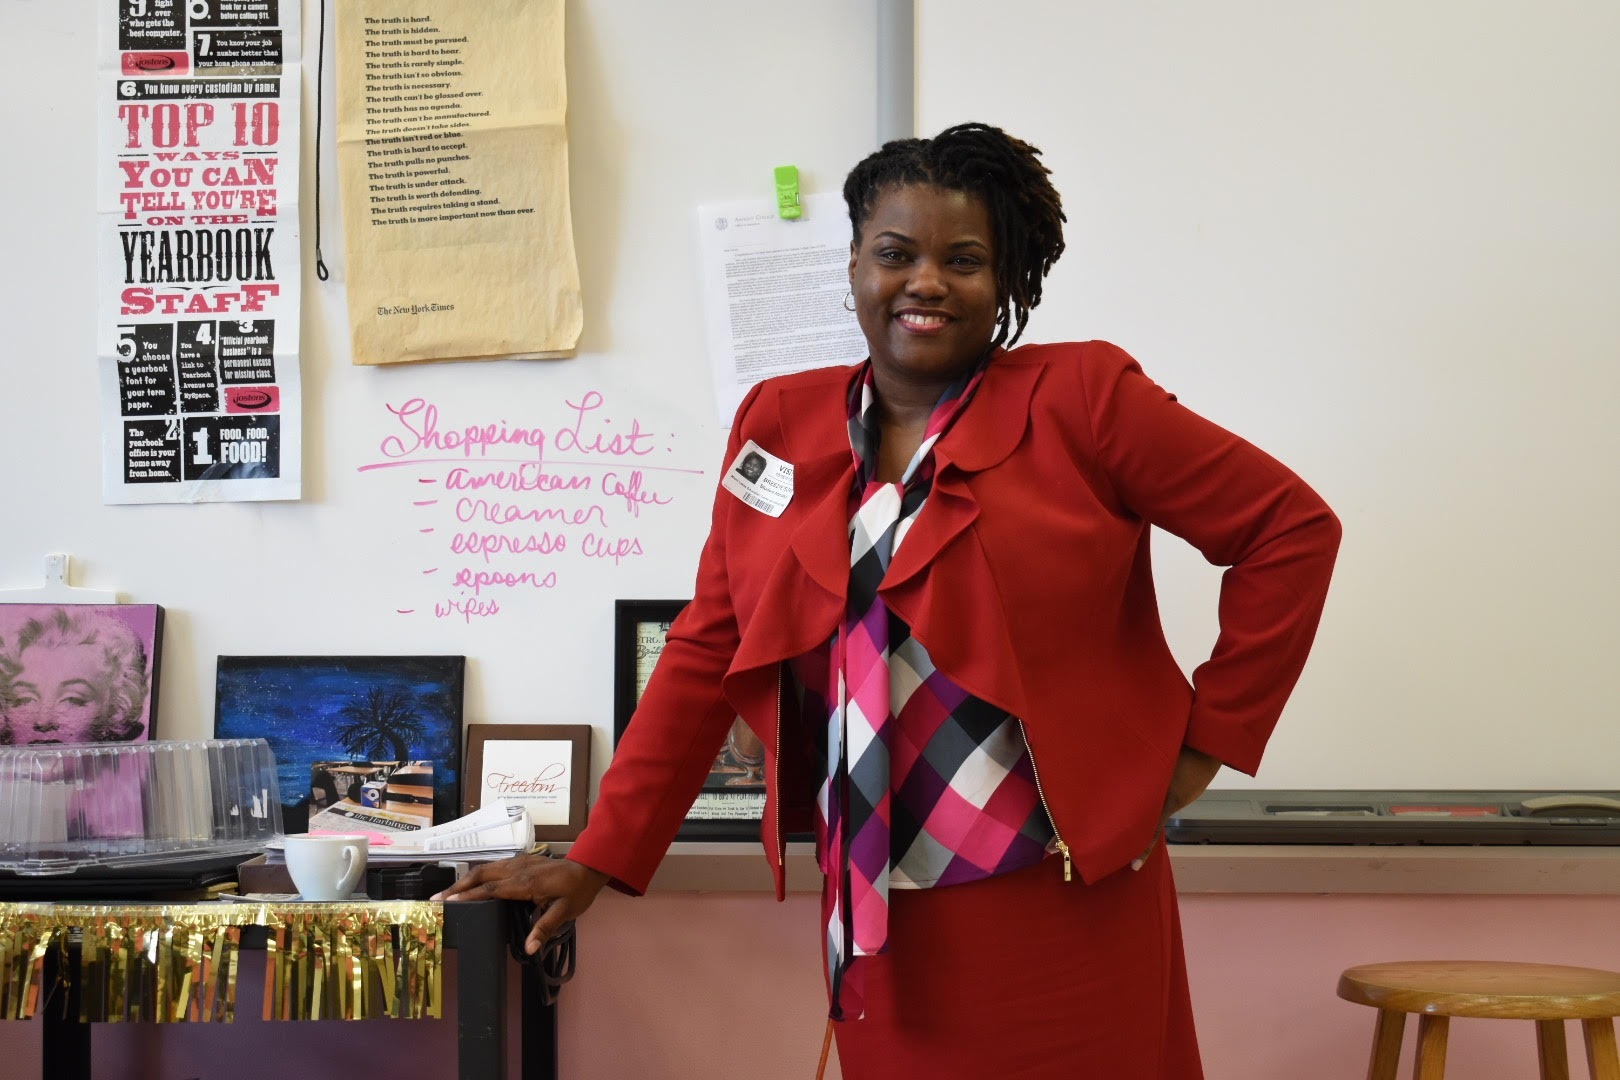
(420,418)
(630,489)
(529,505)
(586,434)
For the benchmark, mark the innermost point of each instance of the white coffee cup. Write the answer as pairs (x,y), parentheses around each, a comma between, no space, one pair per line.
(326,867)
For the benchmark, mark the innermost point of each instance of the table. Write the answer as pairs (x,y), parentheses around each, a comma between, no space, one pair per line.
(479,930)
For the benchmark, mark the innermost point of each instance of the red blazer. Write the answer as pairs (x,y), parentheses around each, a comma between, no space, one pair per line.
(1026,577)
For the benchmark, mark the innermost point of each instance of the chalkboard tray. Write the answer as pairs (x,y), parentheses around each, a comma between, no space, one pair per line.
(1572,818)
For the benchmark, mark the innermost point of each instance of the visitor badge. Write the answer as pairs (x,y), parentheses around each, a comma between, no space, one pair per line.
(760,479)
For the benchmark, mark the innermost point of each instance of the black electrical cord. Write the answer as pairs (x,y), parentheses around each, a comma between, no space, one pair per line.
(320,82)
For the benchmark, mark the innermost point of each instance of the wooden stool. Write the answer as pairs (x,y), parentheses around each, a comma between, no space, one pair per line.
(1436,990)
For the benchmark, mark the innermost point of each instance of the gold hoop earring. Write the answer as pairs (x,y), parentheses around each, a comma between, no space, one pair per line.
(849,301)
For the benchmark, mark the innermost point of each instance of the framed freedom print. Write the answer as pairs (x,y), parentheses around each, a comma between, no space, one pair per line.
(732,802)
(545,768)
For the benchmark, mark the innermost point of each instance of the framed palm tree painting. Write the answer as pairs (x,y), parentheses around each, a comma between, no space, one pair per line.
(362,743)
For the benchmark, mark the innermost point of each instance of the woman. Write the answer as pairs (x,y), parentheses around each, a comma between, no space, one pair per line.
(943,628)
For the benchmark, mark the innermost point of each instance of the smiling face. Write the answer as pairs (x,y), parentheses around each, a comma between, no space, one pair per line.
(923,277)
(58,694)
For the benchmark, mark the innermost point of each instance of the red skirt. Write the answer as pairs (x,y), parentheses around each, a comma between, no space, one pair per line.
(1026,977)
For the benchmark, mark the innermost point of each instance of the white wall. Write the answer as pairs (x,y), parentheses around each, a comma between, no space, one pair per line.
(1378,239)
(666,110)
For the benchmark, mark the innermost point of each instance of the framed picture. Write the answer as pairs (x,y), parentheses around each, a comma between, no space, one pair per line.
(76,673)
(363,742)
(732,802)
(546,768)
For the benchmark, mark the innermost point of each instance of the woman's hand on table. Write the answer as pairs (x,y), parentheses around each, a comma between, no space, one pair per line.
(560,890)
(1194,771)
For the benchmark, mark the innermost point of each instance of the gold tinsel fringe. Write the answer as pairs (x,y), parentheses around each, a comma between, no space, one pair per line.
(168,963)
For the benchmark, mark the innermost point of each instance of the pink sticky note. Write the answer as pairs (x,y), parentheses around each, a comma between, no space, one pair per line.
(373,839)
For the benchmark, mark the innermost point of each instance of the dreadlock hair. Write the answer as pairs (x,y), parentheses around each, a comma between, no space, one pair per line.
(1026,215)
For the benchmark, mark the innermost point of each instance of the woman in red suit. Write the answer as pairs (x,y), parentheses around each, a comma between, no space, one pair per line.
(927,590)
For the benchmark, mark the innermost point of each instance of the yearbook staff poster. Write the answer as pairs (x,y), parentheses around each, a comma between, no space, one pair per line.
(197,249)
(453,168)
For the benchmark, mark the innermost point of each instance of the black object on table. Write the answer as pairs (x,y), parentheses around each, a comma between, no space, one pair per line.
(181,876)
(481,931)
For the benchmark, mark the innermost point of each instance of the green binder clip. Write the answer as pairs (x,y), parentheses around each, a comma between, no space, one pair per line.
(787,191)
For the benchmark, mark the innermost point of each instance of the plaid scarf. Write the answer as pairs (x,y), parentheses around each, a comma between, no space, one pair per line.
(855,810)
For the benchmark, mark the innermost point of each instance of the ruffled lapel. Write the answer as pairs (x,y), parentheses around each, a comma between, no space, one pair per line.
(993,425)
(988,430)
(804,595)
(803,598)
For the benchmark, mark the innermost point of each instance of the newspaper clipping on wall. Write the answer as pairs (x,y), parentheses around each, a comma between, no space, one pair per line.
(197,249)
(453,168)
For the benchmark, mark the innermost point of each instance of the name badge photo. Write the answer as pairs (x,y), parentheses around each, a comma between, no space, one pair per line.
(760,479)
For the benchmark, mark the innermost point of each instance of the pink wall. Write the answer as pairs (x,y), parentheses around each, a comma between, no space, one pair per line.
(678,986)
(1263,972)
(1264,969)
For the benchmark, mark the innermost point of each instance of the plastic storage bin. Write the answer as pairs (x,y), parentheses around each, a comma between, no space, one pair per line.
(64,808)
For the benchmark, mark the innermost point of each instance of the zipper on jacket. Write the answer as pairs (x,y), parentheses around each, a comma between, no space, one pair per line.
(776,803)
(1040,792)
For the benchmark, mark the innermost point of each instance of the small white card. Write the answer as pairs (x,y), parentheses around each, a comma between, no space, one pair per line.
(760,479)
(531,773)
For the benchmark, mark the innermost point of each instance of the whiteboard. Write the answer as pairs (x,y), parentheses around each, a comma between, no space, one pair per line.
(666,111)
(1378,240)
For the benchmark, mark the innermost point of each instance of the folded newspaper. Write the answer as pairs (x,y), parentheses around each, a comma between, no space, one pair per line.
(497,831)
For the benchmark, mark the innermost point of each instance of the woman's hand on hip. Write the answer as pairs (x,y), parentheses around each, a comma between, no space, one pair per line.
(1194,771)
(561,890)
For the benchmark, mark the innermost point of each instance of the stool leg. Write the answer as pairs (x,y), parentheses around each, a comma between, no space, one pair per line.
(1551,1050)
(1386,1051)
(1601,1058)
(1431,1047)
